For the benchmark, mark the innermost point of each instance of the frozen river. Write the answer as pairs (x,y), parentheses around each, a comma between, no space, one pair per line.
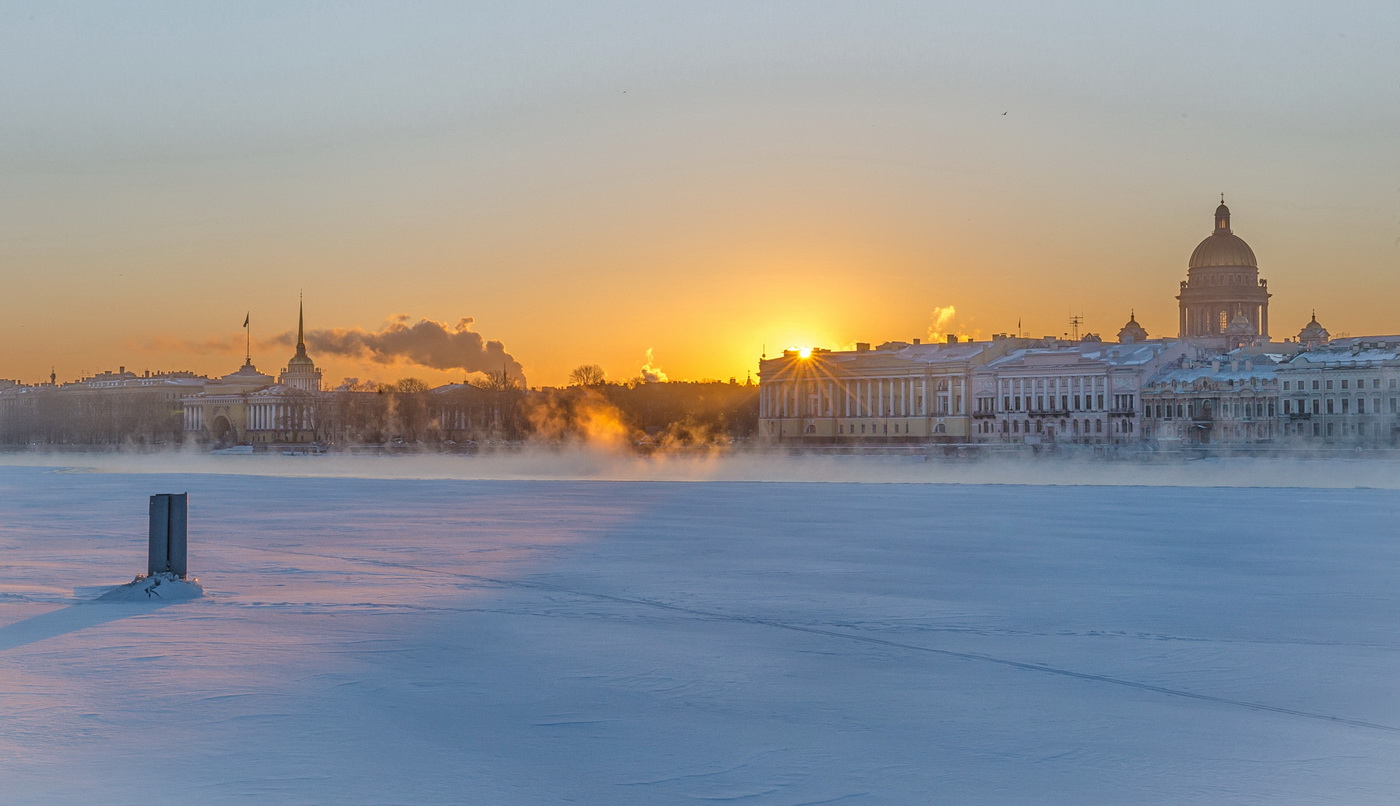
(379,641)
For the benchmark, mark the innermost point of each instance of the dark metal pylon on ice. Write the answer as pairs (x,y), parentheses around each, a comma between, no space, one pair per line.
(169,527)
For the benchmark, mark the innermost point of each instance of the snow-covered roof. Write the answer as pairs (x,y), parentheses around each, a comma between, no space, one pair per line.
(1262,373)
(1103,354)
(1365,349)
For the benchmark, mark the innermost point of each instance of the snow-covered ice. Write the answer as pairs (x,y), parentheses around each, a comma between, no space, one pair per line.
(165,586)
(371,640)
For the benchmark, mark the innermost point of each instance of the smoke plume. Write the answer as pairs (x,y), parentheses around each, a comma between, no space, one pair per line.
(941,317)
(650,372)
(427,343)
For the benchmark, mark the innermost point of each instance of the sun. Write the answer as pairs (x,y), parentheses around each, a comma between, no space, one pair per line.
(804,352)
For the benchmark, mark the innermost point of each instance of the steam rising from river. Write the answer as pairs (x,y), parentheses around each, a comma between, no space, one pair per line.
(597,462)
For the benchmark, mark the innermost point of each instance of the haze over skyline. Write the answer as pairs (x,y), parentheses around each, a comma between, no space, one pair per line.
(698,180)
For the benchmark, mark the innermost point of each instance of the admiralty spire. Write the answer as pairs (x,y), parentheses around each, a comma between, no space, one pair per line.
(301,372)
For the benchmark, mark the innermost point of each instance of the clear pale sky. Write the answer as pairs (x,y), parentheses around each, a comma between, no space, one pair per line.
(590,180)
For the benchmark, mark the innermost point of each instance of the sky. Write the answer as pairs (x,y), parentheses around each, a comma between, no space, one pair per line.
(587,182)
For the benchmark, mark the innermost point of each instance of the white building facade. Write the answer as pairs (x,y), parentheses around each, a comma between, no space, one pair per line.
(1087,392)
(895,393)
(1344,393)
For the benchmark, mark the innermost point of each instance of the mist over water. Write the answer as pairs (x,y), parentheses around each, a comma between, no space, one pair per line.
(587,462)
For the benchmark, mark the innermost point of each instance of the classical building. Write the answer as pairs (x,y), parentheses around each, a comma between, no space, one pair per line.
(1084,392)
(896,392)
(1221,400)
(1222,293)
(1346,392)
(251,407)
(110,408)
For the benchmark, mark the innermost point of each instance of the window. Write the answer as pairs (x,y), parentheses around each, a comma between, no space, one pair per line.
(1346,403)
(1285,407)
(1285,386)
(1329,383)
(1360,405)
(1076,402)
(1315,384)
(1317,407)
(1329,408)
(1344,383)
(1100,401)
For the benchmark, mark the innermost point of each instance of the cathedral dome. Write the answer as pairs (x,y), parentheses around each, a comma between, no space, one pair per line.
(1222,248)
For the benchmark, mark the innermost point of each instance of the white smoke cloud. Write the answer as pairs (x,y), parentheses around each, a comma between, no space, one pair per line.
(650,372)
(942,317)
(426,343)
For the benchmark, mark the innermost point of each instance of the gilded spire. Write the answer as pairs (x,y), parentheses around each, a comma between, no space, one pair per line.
(301,327)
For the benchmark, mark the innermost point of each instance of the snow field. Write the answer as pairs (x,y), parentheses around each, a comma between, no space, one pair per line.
(383,641)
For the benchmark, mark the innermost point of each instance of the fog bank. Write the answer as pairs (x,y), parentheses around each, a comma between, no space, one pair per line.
(585,462)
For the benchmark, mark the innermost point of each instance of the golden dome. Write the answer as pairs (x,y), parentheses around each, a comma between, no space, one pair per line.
(1222,248)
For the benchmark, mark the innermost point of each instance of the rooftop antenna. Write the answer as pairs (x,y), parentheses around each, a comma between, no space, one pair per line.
(1075,320)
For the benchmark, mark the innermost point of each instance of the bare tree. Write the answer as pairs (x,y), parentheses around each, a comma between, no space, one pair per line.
(410,404)
(587,375)
(496,382)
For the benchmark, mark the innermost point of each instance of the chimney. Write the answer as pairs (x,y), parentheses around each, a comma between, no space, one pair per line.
(952,339)
(916,341)
(862,346)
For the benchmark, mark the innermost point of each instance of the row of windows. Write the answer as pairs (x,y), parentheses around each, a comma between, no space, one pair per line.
(1189,410)
(1038,403)
(1360,384)
(876,428)
(1300,406)
(1333,429)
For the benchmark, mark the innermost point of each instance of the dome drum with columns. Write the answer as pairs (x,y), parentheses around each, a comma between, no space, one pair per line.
(1222,286)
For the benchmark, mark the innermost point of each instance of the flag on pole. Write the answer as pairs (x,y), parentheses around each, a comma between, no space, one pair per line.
(245,318)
